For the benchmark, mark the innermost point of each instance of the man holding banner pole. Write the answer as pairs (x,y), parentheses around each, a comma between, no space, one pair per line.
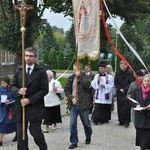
(79,104)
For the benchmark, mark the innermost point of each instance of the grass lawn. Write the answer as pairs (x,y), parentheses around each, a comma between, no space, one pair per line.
(71,71)
(61,71)
(63,81)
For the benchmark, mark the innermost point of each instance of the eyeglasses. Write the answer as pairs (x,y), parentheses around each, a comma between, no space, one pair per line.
(30,56)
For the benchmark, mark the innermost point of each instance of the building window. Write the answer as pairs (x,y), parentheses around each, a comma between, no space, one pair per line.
(7,58)
(4,57)
(12,59)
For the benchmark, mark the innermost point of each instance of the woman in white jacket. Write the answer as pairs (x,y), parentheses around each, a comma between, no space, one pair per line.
(52,102)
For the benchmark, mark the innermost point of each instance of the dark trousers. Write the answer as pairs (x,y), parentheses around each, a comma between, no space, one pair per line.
(35,131)
(124,111)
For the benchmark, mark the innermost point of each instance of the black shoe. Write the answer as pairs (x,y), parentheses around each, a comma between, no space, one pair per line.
(72,146)
(126,125)
(95,123)
(120,123)
(15,139)
(1,143)
(88,141)
(106,121)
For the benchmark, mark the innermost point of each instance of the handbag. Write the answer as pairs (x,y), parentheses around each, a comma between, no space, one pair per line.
(60,96)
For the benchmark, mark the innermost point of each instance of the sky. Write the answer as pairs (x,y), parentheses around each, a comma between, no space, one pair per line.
(64,22)
(57,20)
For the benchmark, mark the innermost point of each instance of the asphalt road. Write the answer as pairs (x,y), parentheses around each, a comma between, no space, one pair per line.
(66,75)
(109,136)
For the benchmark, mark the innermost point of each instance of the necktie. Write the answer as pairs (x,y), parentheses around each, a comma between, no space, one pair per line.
(28,71)
(28,75)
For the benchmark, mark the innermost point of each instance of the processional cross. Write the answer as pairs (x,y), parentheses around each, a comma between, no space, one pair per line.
(23,8)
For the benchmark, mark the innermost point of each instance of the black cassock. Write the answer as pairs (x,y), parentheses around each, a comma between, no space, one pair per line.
(123,81)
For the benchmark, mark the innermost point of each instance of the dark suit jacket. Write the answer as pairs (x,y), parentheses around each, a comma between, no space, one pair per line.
(37,88)
(142,118)
(122,81)
(82,93)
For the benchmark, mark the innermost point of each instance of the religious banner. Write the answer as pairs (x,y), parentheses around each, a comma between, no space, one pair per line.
(87,28)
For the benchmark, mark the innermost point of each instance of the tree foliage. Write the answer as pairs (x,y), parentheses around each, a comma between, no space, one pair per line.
(48,40)
(138,36)
(61,60)
(71,60)
(10,36)
(60,39)
(46,58)
(53,59)
(70,38)
(66,54)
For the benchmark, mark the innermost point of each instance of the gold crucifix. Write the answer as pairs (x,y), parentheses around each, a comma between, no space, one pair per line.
(23,8)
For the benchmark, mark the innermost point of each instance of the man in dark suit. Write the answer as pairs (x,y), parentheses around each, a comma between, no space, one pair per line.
(36,87)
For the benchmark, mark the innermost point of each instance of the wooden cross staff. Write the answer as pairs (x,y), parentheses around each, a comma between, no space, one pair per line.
(23,8)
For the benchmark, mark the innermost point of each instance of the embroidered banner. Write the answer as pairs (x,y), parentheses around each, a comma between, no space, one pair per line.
(87,28)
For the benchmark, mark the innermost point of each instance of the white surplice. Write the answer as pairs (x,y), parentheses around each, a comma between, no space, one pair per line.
(100,92)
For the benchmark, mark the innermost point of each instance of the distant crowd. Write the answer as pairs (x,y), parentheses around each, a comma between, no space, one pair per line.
(40,96)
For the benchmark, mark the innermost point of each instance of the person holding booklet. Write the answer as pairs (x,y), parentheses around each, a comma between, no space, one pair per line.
(141,95)
(132,86)
(7,99)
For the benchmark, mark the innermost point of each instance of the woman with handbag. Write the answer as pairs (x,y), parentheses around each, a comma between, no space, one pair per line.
(7,99)
(52,103)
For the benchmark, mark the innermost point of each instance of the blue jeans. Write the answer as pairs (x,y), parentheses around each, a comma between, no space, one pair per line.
(84,116)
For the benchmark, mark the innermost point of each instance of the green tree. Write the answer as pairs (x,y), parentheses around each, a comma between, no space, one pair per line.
(56,29)
(48,40)
(67,51)
(61,60)
(70,38)
(53,58)
(94,65)
(129,10)
(46,57)
(84,61)
(10,35)
(71,60)
(60,39)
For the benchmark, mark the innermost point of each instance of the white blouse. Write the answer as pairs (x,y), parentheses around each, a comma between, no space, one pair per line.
(51,99)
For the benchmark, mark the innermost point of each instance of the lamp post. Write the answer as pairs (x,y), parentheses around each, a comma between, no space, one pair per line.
(116,54)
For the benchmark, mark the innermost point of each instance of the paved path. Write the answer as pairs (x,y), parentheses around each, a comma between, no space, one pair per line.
(66,75)
(105,137)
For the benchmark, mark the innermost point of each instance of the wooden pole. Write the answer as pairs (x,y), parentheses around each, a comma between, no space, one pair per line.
(23,7)
(76,87)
